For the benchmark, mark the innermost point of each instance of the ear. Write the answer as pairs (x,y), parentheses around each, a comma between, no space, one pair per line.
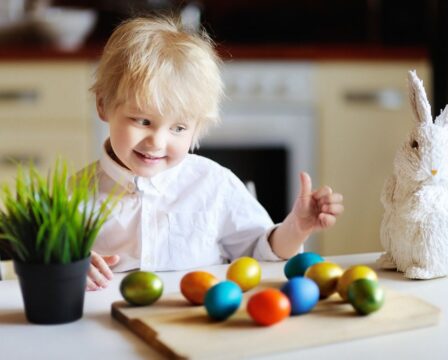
(419,101)
(442,119)
(101,108)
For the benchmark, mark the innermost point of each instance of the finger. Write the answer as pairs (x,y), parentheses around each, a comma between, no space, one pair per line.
(90,285)
(102,266)
(111,260)
(321,192)
(305,184)
(334,198)
(326,220)
(333,209)
(97,277)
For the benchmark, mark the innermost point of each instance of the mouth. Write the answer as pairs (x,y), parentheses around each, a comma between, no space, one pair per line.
(148,157)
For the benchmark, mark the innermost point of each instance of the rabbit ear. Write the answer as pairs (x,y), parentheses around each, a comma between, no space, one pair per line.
(419,101)
(442,119)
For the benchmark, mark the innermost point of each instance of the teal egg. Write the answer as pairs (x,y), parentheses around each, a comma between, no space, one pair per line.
(223,299)
(297,265)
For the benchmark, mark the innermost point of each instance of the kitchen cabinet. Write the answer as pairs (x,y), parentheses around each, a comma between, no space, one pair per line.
(364,116)
(45,113)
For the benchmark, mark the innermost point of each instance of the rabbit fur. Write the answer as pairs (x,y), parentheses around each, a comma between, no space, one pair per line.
(414,229)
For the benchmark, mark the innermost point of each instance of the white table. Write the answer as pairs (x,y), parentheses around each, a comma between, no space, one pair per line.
(98,336)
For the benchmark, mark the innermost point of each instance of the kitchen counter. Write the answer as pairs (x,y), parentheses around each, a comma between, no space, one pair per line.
(239,52)
(97,335)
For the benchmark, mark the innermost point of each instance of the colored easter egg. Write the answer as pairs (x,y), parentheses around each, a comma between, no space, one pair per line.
(223,299)
(268,307)
(141,288)
(326,275)
(195,285)
(303,294)
(244,271)
(297,265)
(351,274)
(366,296)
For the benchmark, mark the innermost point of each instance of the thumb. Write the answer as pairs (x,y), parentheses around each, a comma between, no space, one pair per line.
(305,184)
(111,260)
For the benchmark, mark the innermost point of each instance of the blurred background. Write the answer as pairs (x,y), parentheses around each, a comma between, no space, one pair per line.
(315,85)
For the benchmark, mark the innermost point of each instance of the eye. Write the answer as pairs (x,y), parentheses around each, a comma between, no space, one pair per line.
(414,144)
(143,122)
(179,128)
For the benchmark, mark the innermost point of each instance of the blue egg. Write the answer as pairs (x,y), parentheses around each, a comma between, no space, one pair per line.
(303,294)
(297,265)
(223,299)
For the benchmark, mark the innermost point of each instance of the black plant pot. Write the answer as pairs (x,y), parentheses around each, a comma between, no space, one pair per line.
(53,293)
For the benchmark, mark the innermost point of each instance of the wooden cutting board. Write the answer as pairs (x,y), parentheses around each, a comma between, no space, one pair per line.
(181,331)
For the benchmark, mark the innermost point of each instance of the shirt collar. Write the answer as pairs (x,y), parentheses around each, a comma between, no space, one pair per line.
(131,182)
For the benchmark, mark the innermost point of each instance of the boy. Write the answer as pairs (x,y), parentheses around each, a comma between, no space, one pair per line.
(158,88)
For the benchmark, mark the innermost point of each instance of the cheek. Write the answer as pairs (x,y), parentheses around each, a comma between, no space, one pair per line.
(123,136)
(180,147)
(405,162)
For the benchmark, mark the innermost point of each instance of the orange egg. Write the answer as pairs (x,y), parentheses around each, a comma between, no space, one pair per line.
(195,284)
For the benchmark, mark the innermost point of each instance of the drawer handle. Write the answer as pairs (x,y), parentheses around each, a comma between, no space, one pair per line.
(27,96)
(390,99)
(15,159)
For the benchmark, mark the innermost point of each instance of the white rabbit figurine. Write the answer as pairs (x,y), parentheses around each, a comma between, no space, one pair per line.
(414,229)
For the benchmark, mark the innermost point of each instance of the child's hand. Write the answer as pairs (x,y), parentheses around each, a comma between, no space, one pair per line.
(313,210)
(316,210)
(99,273)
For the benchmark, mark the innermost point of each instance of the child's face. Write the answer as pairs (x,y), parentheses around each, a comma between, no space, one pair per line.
(145,142)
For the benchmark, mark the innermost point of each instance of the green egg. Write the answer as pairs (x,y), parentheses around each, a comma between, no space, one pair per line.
(366,296)
(141,288)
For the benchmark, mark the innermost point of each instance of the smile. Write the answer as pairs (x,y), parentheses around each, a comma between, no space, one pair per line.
(148,157)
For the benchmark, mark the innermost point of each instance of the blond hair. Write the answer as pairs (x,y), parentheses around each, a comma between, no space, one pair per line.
(158,64)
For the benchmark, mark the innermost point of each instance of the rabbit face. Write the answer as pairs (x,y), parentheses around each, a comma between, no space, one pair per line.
(424,155)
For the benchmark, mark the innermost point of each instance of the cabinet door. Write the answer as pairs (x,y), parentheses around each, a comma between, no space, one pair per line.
(45,111)
(41,148)
(365,116)
(44,94)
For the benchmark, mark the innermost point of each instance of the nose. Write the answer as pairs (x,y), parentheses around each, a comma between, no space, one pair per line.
(156,139)
(434,172)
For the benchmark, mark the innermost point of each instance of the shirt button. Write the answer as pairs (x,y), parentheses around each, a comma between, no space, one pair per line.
(131,187)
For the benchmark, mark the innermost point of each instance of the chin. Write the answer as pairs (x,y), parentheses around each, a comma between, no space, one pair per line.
(147,172)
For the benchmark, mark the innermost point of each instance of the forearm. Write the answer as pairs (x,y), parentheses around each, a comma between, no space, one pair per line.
(287,239)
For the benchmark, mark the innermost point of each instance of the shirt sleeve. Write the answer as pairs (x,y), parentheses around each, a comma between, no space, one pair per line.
(247,225)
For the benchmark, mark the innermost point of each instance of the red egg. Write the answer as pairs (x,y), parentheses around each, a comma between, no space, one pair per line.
(268,307)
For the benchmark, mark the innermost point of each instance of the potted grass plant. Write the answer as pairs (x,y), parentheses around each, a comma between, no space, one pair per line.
(48,225)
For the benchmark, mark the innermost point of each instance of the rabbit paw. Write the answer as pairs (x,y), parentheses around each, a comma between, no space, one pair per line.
(385,261)
(417,272)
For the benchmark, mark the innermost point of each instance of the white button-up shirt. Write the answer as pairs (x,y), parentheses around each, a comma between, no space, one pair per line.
(195,214)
